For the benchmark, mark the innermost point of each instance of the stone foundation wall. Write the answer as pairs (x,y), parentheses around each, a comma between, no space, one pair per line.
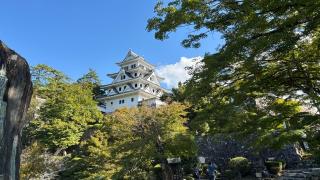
(221,149)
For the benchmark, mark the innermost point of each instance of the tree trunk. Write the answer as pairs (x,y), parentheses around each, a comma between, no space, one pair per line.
(166,170)
(17,96)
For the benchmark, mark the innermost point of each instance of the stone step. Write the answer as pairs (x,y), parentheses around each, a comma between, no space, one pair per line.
(301,174)
(297,175)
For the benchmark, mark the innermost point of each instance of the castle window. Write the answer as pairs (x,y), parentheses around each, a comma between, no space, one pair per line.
(124,87)
(111,103)
(123,77)
(126,68)
(141,85)
(153,90)
(119,88)
(135,74)
(136,85)
(122,101)
(132,99)
(133,66)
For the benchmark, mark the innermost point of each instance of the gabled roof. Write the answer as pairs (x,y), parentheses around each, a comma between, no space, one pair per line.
(113,75)
(152,73)
(146,76)
(130,55)
(128,74)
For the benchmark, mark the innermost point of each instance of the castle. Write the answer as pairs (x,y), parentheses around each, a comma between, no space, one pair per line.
(135,84)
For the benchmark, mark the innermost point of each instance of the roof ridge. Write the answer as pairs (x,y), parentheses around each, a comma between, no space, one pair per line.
(129,55)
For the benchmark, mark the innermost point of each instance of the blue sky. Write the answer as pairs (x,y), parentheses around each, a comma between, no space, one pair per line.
(73,36)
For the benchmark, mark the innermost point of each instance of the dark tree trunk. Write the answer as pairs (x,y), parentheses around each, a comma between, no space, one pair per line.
(17,96)
(166,170)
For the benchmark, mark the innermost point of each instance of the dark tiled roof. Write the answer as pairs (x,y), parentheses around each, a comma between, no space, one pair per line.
(130,85)
(115,90)
(146,76)
(128,74)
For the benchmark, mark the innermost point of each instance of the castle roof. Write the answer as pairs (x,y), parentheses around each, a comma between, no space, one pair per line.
(132,56)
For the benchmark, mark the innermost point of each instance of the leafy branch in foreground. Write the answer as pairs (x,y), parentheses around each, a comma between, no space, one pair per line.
(268,64)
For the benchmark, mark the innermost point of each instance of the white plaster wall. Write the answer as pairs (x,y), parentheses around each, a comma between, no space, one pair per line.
(127,103)
(129,65)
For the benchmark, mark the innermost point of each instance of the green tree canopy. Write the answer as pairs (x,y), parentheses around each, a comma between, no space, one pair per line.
(130,142)
(91,80)
(62,110)
(271,55)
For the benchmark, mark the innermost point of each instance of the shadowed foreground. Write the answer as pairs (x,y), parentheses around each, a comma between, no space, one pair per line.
(16,91)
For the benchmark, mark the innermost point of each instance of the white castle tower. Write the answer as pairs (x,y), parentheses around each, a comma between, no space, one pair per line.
(136,83)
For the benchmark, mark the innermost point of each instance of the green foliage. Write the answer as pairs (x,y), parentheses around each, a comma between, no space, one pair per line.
(36,163)
(130,143)
(61,114)
(240,165)
(64,116)
(33,163)
(274,167)
(42,75)
(149,136)
(61,110)
(91,80)
(261,77)
(92,160)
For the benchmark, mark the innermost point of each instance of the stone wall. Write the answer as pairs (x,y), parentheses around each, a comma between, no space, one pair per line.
(221,149)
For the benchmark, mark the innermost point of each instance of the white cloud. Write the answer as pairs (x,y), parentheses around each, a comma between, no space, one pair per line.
(175,73)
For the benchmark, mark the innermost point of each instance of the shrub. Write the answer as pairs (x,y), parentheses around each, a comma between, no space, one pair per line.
(274,167)
(240,165)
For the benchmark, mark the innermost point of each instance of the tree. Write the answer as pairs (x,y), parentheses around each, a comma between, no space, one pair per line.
(176,95)
(61,113)
(257,34)
(92,159)
(46,80)
(65,112)
(130,142)
(37,163)
(145,137)
(271,55)
(91,80)
(43,74)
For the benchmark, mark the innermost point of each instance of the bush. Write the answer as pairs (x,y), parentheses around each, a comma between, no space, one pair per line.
(274,167)
(240,165)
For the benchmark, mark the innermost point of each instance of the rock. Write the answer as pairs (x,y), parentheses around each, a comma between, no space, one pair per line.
(17,96)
